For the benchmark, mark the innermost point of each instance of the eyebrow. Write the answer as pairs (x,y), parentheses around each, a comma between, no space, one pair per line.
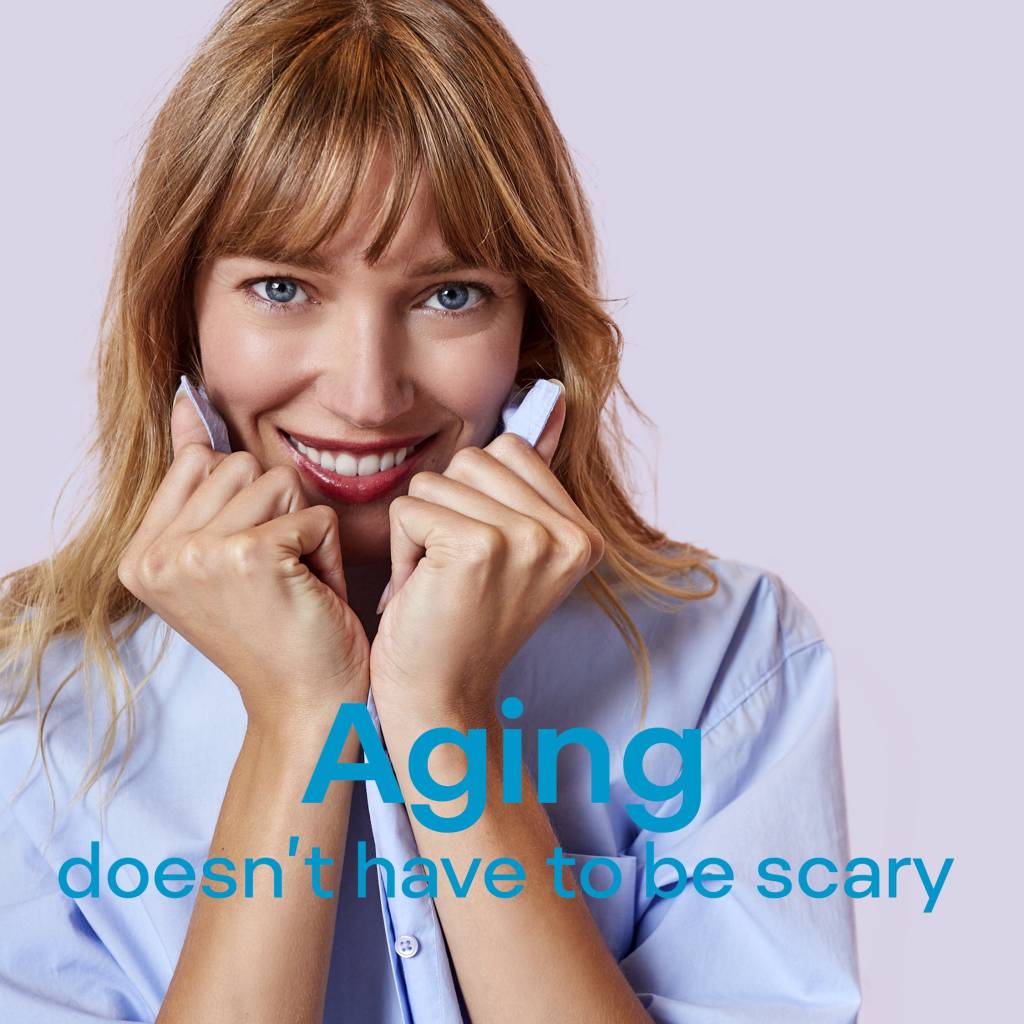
(441,263)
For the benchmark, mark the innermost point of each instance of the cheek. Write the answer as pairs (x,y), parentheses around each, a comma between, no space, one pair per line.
(246,372)
(473,383)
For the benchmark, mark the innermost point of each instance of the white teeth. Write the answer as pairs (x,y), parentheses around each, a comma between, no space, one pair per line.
(346,464)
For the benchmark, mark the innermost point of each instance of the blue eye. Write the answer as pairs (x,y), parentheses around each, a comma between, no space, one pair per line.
(454,297)
(278,296)
(280,290)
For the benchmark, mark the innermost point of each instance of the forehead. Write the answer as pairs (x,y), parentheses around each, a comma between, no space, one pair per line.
(418,235)
(416,246)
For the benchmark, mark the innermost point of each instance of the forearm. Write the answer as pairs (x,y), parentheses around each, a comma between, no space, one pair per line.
(262,958)
(532,957)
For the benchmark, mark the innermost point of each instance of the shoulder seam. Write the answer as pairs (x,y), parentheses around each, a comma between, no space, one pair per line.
(762,681)
(777,587)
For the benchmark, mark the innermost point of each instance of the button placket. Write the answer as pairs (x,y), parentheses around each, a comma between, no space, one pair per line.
(419,944)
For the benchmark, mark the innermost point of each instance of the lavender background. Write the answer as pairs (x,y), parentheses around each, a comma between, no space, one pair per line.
(813,215)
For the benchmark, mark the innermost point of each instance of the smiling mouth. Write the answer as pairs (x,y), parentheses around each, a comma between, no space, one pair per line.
(355,477)
(348,464)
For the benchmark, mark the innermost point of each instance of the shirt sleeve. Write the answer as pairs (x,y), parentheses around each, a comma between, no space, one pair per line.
(53,968)
(772,786)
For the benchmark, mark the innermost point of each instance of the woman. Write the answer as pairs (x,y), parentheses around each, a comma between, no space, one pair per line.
(358,224)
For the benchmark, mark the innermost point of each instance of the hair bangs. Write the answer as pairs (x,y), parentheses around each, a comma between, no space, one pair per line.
(306,154)
(309,147)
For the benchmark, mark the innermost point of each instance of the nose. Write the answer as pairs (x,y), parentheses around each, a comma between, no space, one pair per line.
(362,374)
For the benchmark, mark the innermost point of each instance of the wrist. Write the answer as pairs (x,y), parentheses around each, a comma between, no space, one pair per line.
(273,707)
(405,717)
(291,730)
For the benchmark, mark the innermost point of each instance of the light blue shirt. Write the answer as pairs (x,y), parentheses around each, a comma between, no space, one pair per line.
(748,667)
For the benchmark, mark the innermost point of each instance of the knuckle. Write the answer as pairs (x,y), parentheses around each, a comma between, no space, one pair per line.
(197,456)
(324,515)
(150,568)
(126,573)
(243,553)
(195,556)
(577,549)
(466,458)
(283,476)
(534,542)
(424,482)
(486,543)
(398,506)
(285,479)
(244,465)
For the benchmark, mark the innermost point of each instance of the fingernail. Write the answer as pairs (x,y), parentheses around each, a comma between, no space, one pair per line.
(555,380)
(384,598)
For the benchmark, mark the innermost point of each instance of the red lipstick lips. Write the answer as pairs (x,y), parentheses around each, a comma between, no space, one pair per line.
(355,489)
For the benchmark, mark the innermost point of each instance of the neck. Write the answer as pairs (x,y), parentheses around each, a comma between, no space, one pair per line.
(365,584)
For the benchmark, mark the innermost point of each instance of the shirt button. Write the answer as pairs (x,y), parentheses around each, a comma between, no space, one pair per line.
(407,946)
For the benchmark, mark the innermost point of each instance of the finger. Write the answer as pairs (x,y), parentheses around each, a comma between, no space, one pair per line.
(186,425)
(308,540)
(194,460)
(511,506)
(509,457)
(503,507)
(416,525)
(525,507)
(512,452)
(238,495)
(474,471)
(193,464)
(266,496)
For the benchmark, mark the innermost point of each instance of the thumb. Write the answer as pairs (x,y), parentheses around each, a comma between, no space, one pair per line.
(187,426)
(552,432)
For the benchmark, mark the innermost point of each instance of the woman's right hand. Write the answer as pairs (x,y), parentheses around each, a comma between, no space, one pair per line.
(235,560)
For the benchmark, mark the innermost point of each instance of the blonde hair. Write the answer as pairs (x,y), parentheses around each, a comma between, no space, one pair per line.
(260,149)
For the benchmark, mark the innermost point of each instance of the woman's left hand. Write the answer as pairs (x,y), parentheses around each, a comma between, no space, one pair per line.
(481,554)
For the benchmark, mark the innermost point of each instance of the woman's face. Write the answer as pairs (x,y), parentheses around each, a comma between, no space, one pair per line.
(334,370)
